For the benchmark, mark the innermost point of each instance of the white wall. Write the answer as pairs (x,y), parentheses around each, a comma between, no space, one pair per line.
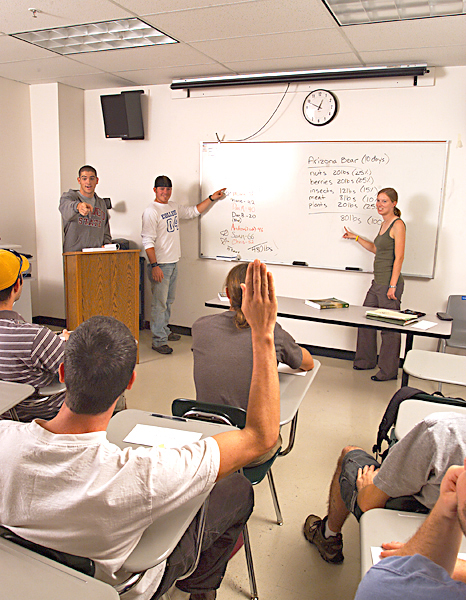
(17,220)
(57,118)
(176,126)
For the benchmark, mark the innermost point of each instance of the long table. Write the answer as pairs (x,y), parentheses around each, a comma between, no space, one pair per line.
(353,316)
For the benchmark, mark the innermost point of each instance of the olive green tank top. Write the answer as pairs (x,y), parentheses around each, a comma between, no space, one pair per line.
(385,257)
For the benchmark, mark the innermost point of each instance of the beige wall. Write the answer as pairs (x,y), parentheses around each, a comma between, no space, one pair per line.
(174,129)
(177,126)
(57,116)
(17,220)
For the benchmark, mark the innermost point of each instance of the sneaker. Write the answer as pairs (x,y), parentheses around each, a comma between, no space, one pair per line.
(174,337)
(164,349)
(331,548)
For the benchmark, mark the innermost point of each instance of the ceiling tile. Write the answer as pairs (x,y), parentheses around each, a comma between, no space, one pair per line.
(434,57)
(146,7)
(15,17)
(241,20)
(280,45)
(294,63)
(97,81)
(167,74)
(43,68)
(143,58)
(12,49)
(441,31)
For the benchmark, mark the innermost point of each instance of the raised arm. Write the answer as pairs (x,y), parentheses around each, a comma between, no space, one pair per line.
(201,207)
(349,235)
(238,448)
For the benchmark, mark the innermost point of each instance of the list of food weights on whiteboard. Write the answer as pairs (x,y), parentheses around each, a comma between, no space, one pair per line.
(345,187)
(289,202)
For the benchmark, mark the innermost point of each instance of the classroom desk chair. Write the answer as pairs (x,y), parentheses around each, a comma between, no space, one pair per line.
(456,308)
(232,415)
(26,574)
(159,540)
(293,388)
(412,411)
(436,366)
(11,394)
(383,525)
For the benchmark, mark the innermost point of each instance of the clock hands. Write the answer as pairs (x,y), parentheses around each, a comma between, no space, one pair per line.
(318,107)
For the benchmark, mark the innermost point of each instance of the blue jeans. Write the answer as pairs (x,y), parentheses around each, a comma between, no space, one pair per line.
(163,295)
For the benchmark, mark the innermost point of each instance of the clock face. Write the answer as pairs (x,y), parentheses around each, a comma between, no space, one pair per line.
(320,107)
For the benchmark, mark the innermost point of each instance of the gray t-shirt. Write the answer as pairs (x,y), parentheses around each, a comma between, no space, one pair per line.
(417,463)
(223,358)
(84,232)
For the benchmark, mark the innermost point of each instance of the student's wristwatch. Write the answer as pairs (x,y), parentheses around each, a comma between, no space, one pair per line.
(154,264)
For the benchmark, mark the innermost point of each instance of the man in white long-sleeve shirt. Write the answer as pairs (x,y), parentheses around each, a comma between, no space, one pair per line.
(161,240)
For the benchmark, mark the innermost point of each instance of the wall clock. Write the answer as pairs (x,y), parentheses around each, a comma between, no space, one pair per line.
(320,107)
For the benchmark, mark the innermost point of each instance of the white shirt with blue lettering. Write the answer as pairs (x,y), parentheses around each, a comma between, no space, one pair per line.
(160,229)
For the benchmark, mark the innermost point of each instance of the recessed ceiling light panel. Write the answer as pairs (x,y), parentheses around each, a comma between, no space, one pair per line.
(359,12)
(96,37)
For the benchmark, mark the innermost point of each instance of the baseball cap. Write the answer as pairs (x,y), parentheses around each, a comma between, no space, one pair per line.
(163,181)
(11,265)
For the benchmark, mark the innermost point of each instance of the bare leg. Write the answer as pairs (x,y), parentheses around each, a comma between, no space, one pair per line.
(337,511)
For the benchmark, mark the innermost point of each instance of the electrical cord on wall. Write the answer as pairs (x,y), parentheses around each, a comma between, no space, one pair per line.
(264,125)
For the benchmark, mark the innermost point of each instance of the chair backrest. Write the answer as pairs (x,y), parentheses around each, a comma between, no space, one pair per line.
(78,563)
(457,309)
(26,574)
(205,411)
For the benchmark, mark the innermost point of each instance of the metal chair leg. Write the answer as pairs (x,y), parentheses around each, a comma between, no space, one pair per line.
(273,491)
(252,577)
(442,347)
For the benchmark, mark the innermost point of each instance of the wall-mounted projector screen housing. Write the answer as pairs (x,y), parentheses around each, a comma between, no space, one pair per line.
(123,116)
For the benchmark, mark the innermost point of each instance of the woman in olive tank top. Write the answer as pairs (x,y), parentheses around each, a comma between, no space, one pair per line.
(386,289)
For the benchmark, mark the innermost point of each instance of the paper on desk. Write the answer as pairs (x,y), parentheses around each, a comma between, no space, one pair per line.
(160,437)
(282,368)
(376,550)
(423,325)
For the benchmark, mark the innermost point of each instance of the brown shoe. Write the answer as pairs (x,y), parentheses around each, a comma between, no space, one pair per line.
(174,337)
(331,548)
(163,349)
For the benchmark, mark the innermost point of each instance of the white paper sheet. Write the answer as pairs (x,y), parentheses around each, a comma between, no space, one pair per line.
(423,325)
(161,437)
(282,368)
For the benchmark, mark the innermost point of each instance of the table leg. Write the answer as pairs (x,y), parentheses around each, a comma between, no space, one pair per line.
(408,347)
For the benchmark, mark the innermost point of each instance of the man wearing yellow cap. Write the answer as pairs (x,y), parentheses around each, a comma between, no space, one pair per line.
(28,353)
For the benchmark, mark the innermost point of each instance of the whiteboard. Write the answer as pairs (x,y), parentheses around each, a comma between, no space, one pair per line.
(288,202)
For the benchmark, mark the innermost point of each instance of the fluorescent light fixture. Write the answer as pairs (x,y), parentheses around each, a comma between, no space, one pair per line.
(297,76)
(358,12)
(95,37)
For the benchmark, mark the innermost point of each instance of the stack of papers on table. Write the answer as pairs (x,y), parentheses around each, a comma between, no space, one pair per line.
(391,316)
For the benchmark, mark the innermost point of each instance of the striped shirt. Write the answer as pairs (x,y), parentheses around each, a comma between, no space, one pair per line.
(30,354)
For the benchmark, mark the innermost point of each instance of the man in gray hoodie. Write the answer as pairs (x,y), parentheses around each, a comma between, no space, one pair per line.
(85,216)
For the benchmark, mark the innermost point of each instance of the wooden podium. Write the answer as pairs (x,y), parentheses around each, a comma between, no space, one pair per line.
(102,283)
